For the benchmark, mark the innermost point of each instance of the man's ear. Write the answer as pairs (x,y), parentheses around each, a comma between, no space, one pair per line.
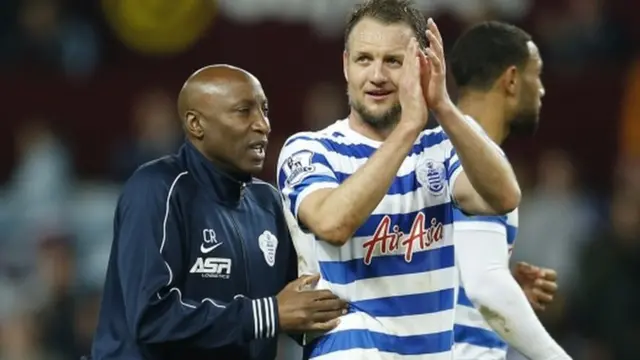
(193,124)
(345,65)
(510,80)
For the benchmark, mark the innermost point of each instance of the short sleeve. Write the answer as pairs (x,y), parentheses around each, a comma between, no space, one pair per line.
(453,166)
(303,167)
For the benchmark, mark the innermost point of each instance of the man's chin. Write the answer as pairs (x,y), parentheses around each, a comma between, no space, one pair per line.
(250,167)
(379,108)
(524,128)
(379,116)
(256,169)
(375,116)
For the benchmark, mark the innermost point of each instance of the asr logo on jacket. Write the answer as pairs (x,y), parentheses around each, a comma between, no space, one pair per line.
(211,267)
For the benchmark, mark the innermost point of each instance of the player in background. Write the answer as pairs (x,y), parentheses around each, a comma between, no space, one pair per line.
(497,69)
(376,191)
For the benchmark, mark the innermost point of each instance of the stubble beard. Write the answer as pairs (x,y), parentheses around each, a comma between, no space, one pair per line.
(525,123)
(385,121)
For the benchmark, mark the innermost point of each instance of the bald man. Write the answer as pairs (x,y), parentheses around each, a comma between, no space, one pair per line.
(202,264)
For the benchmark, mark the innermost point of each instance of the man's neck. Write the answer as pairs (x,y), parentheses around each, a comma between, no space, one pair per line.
(486,108)
(222,167)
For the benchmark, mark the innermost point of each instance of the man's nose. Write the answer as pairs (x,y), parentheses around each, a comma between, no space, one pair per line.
(262,124)
(378,75)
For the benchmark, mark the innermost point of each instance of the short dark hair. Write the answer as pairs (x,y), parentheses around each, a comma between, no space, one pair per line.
(485,51)
(389,12)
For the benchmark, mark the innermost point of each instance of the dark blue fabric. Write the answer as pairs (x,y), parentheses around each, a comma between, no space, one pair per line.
(193,246)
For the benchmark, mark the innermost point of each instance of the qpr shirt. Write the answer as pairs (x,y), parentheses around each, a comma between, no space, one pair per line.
(398,270)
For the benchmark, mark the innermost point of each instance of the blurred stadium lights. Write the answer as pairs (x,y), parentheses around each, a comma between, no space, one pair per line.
(327,16)
(159,27)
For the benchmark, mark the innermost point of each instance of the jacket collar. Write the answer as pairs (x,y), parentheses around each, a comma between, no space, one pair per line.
(225,187)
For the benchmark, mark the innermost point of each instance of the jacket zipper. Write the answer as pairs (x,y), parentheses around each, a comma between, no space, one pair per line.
(244,254)
(253,346)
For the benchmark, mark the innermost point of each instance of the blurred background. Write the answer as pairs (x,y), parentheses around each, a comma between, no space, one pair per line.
(88,94)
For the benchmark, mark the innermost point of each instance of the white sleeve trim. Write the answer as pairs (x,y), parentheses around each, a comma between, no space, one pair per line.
(164,236)
(167,207)
(453,179)
(310,189)
(264,318)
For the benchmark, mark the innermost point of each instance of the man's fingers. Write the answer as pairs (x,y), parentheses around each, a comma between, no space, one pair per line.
(325,326)
(326,316)
(321,295)
(424,63)
(310,279)
(549,287)
(435,38)
(414,62)
(436,64)
(330,305)
(435,45)
(526,267)
(425,72)
(434,28)
(307,281)
(549,274)
(527,270)
(542,297)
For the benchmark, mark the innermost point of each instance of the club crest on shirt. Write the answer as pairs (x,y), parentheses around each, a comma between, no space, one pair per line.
(297,166)
(432,175)
(268,244)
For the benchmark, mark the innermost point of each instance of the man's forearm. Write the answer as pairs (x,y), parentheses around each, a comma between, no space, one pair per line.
(488,171)
(335,215)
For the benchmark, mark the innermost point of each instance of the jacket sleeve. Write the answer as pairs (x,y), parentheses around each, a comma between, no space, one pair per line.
(149,237)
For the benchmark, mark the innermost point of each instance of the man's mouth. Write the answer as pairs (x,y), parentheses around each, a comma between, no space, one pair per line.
(259,148)
(378,94)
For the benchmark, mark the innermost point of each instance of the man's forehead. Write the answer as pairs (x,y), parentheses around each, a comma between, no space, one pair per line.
(236,91)
(534,53)
(230,92)
(370,32)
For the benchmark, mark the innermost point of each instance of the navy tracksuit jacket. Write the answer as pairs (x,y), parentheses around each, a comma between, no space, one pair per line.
(197,259)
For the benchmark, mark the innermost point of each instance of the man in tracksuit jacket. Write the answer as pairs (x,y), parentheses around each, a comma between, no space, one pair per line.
(202,255)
